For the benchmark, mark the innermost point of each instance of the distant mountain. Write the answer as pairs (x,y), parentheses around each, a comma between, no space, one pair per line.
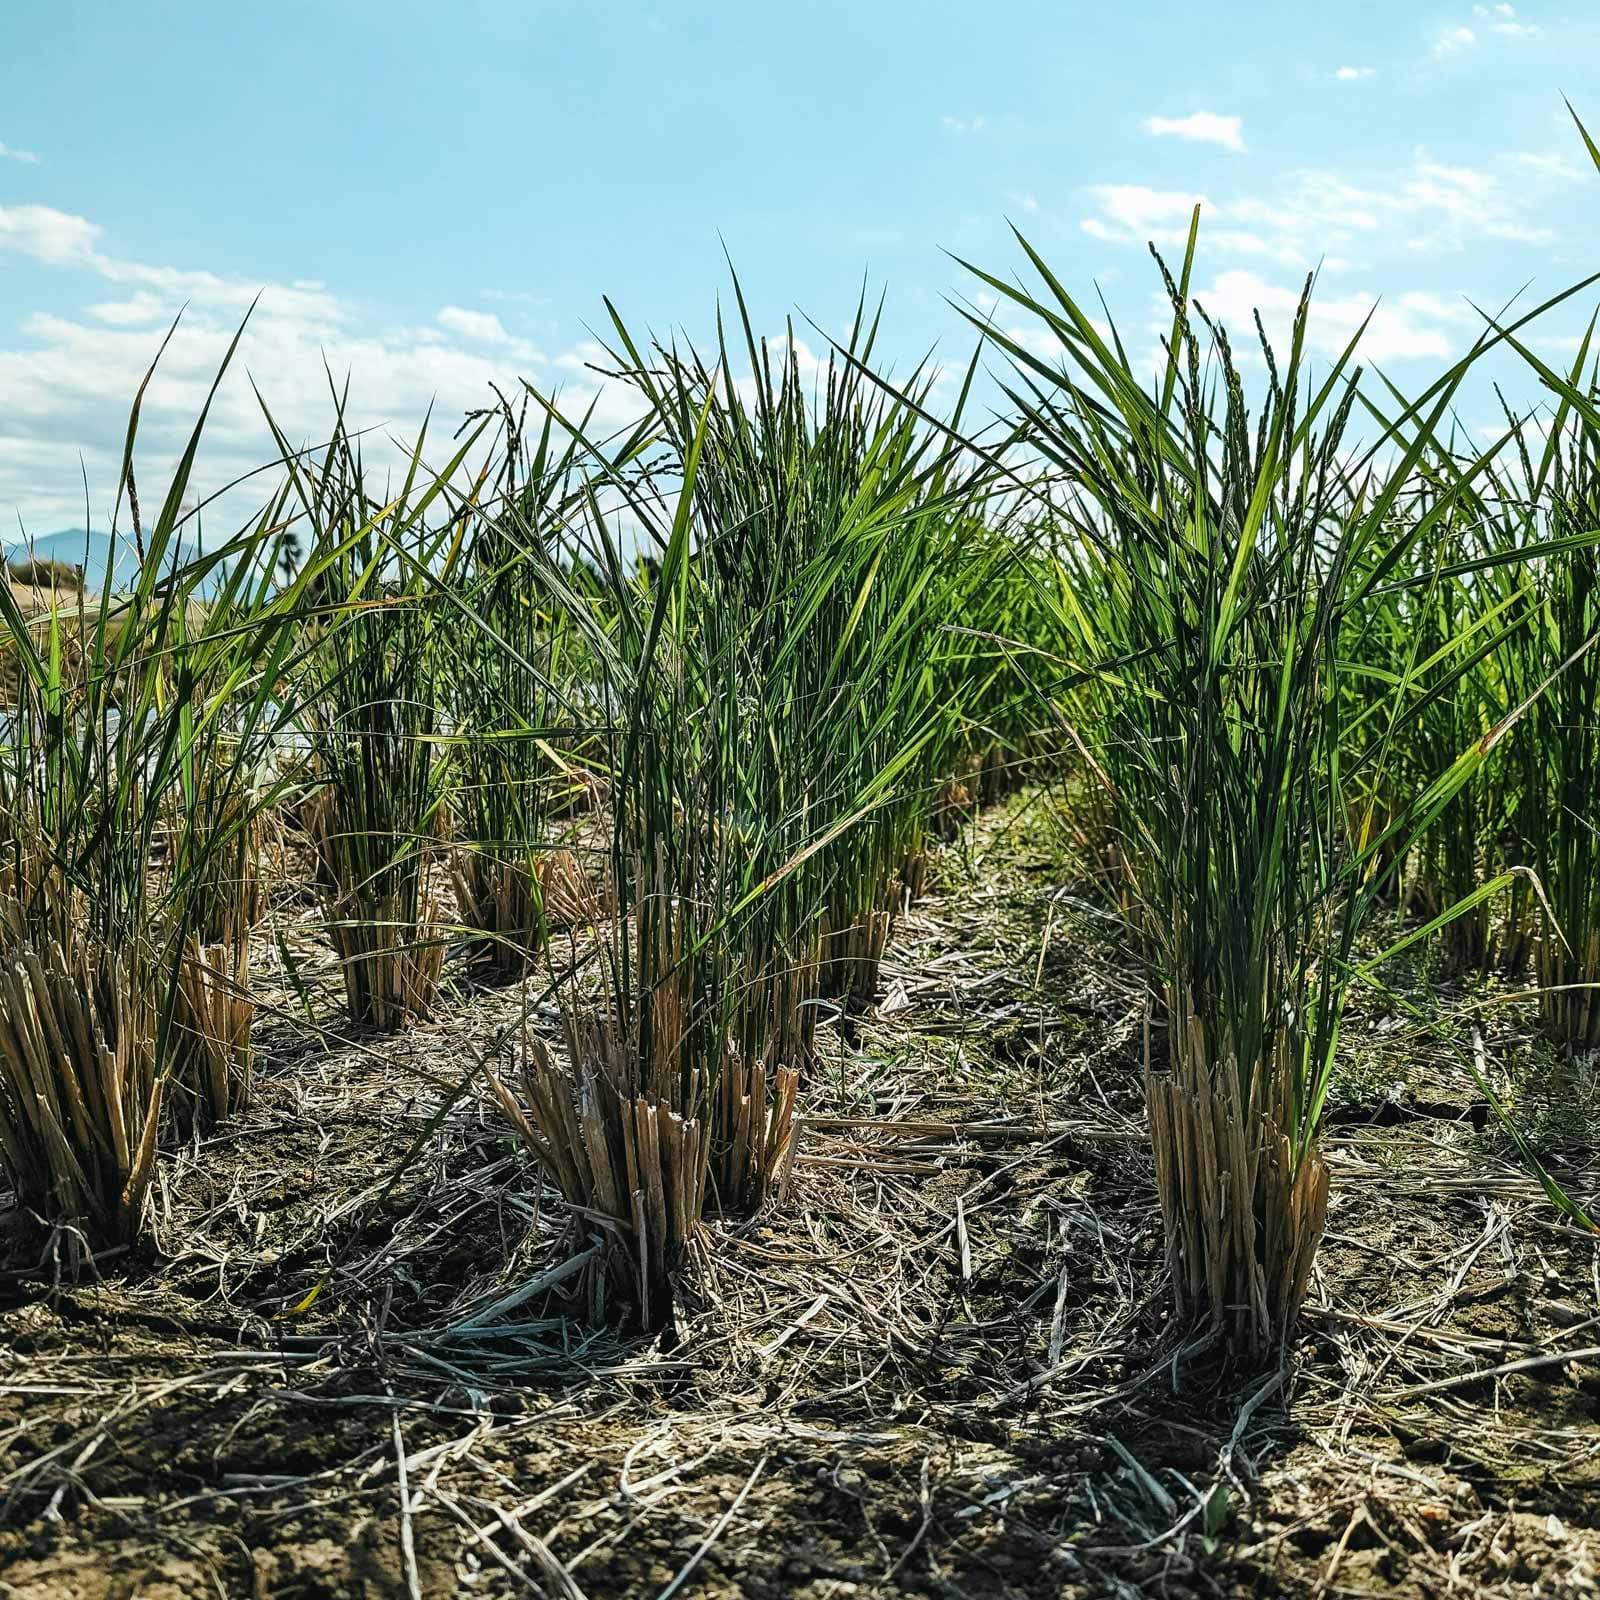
(89,549)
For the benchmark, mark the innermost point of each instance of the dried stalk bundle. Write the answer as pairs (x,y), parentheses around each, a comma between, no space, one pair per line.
(755,1130)
(1517,937)
(516,903)
(391,958)
(913,876)
(753,1109)
(1000,773)
(655,1104)
(210,1055)
(1243,1217)
(980,778)
(853,955)
(954,805)
(1569,988)
(1467,943)
(80,1100)
(624,1157)
(390,947)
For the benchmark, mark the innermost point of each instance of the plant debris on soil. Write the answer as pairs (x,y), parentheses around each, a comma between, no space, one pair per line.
(364,1359)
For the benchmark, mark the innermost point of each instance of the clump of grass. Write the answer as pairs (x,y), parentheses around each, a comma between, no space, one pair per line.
(106,998)
(1215,558)
(622,1120)
(836,536)
(765,701)
(1560,767)
(1452,623)
(512,682)
(80,1093)
(369,697)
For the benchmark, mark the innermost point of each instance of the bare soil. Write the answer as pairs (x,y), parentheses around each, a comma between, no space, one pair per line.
(945,1367)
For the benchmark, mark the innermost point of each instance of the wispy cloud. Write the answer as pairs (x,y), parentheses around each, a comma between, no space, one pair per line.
(485,329)
(1203,127)
(1548,164)
(54,237)
(1355,74)
(10,153)
(481,327)
(69,377)
(1435,208)
(1130,213)
(1408,329)
(962,124)
(1498,21)
(1452,41)
(1503,19)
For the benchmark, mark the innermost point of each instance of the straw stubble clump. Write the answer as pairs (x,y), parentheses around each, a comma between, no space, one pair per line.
(384,925)
(1243,1215)
(80,1097)
(631,1163)
(516,904)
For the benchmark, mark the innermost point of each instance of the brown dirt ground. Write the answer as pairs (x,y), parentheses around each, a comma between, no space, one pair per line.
(944,1368)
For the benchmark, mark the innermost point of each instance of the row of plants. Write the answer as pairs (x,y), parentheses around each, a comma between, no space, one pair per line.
(690,698)
(1309,677)
(671,717)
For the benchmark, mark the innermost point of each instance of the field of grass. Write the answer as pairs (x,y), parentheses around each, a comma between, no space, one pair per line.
(823,996)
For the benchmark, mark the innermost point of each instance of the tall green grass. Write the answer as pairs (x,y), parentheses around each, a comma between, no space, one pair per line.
(368,694)
(1216,555)
(132,772)
(1557,801)
(514,671)
(777,692)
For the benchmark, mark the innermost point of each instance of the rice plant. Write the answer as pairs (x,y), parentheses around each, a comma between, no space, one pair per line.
(1557,817)
(513,675)
(369,695)
(111,1005)
(621,1120)
(1216,557)
(770,710)
(1457,639)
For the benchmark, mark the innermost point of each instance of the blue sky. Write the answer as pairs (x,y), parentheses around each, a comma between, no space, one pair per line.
(431,196)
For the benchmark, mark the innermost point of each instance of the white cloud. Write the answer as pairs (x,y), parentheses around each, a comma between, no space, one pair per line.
(1203,127)
(1452,41)
(1561,344)
(69,378)
(1392,332)
(1502,19)
(1354,74)
(54,237)
(1038,340)
(11,153)
(1549,164)
(1428,208)
(1520,233)
(1242,242)
(1133,214)
(138,310)
(1438,307)
(1331,221)
(482,327)
(962,124)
